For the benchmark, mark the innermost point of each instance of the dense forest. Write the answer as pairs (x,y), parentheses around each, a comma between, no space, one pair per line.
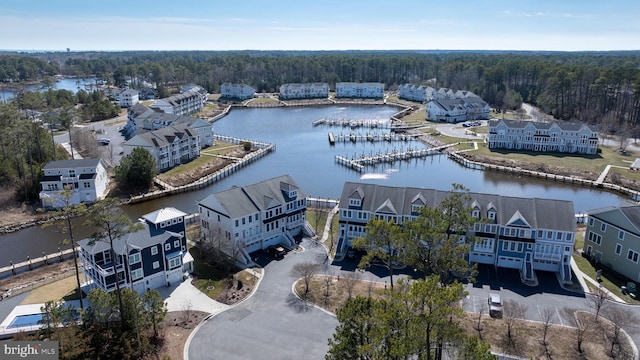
(600,88)
(593,87)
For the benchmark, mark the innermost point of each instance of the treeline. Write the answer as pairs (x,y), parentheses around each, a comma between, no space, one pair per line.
(594,87)
(25,147)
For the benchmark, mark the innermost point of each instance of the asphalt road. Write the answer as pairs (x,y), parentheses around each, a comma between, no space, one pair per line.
(273,323)
(109,129)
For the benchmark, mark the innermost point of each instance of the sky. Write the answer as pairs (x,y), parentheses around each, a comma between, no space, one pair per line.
(111,25)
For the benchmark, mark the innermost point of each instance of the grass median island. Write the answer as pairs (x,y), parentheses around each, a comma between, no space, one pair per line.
(332,292)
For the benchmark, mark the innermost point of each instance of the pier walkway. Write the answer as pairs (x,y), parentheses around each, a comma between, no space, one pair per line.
(359,163)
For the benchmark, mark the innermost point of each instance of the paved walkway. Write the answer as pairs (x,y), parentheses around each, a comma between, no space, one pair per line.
(584,278)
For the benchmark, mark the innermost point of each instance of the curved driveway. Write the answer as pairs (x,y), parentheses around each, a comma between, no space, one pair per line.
(271,324)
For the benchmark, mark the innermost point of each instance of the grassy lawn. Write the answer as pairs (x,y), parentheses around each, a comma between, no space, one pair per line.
(220,148)
(261,100)
(212,279)
(609,281)
(318,219)
(62,288)
(596,163)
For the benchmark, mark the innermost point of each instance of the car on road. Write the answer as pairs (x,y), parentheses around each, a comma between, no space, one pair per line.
(277,252)
(495,305)
(104,141)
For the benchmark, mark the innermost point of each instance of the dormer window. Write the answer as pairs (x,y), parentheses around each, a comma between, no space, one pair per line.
(476,214)
(415,208)
(491,215)
(293,194)
(355,202)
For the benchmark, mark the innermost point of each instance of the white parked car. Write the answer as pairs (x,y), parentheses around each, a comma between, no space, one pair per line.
(495,305)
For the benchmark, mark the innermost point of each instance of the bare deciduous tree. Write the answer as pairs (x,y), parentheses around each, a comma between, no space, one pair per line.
(619,317)
(350,279)
(580,327)
(481,310)
(597,300)
(305,271)
(512,312)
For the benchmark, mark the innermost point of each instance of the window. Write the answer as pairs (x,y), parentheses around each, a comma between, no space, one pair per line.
(176,243)
(620,234)
(154,250)
(596,238)
(590,221)
(569,236)
(633,256)
(559,235)
(167,246)
(134,258)
(156,264)
(618,249)
(136,274)
(237,222)
(174,262)
(549,234)
(603,227)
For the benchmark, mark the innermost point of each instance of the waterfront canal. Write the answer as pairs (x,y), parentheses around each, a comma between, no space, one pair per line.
(303,151)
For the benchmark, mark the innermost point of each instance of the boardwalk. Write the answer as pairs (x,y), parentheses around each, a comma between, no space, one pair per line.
(353,137)
(359,163)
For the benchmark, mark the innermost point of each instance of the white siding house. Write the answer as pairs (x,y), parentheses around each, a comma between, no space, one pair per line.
(304,91)
(170,146)
(87,177)
(141,119)
(543,136)
(360,90)
(129,98)
(186,103)
(245,219)
(237,91)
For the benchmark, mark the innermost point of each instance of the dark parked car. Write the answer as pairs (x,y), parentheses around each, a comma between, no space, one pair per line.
(277,252)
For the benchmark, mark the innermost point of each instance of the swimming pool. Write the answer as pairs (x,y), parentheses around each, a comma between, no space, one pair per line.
(25,320)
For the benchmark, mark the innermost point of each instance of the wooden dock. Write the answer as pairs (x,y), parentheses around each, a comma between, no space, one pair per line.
(353,124)
(352,137)
(359,163)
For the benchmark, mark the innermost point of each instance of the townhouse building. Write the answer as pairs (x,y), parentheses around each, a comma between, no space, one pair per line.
(518,233)
(170,146)
(142,119)
(237,91)
(86,177)
(144,260)
(128,98)
(249,218)
(543,136)
(185,103)
(612,238)
(304,91)
(360,90)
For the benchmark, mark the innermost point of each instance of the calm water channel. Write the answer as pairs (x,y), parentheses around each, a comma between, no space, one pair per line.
(71,84)
(303,151)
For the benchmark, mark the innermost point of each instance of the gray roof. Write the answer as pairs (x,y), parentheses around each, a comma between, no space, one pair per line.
(241,201)
(161,137)
(73,163)
(626,217)
(539,213)
(521,124)
(135,240)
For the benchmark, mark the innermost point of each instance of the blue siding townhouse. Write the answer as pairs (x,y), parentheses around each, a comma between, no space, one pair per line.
(146,259)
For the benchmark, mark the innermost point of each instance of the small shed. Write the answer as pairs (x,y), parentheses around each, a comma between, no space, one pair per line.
(636,165)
